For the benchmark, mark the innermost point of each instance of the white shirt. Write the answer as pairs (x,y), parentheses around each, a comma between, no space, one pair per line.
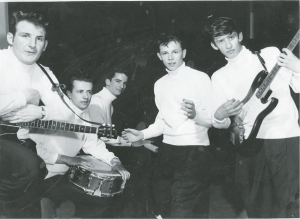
(51,143)
(101,110)
(170,90)
(234,81)
(15,77)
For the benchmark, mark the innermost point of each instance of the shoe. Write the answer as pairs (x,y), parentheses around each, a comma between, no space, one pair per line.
(65,210)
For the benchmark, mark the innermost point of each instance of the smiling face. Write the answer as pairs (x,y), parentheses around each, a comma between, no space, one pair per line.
(117,84)
(171,55)
(28,43)
(229,45)
(81,94)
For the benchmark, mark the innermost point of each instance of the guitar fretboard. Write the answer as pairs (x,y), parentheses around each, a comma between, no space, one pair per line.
(55,125)
(268,80)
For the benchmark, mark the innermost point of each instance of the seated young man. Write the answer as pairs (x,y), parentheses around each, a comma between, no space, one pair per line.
(59,149)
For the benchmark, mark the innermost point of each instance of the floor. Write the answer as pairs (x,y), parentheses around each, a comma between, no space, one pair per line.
(135,201)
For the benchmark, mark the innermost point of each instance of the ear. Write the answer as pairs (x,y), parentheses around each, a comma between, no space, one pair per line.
(69,94)
(107,81)
(240,37)
(184,53)
(214,46)
(45,45)
(159,56)
(10,38)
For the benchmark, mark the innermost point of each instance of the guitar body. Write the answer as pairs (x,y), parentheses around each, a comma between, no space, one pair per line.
(245,126)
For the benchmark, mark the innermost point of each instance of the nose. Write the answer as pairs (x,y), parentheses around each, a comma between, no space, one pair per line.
(228,44)
(122,85)
(170,57)
(85,95)
(32,43)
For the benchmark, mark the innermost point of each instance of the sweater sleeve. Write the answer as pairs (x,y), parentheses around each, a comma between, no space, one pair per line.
(97,148)
(204,108)
(11,101)
(218,98)
(55,108)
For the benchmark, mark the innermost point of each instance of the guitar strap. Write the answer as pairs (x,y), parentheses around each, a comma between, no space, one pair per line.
(262,61)
(56,87)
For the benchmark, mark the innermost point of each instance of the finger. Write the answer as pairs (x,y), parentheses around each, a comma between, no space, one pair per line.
(188,101)
(123,184)
(229,102)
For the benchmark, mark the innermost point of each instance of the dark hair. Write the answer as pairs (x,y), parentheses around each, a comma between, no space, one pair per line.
(164,39)
(111,72)
(34,18)
(78,76)
(220,26)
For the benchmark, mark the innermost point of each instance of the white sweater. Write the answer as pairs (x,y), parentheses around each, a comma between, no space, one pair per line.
(15,77)
(234,81)
(170,90)
(51,143)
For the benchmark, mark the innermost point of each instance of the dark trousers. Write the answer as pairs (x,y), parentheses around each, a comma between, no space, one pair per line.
(21,174)
(86,206)
(180,181)
(269,180)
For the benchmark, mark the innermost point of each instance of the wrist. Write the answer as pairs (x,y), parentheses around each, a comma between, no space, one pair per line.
(43,112)
(115,160)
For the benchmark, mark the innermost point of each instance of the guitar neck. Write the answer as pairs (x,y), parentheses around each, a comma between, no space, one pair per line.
(55,125)
(268,80)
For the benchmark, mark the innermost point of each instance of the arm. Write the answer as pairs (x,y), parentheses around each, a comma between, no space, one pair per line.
(204,108)
(97,148)
(223,108)
(291,72)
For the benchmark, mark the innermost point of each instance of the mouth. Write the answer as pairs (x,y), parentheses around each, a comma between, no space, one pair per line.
(171,64)
(30,52)
(230,51)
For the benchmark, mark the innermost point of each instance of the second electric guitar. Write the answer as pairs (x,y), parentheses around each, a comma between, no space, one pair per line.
(257,105)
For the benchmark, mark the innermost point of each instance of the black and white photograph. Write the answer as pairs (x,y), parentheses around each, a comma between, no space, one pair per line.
(149,109)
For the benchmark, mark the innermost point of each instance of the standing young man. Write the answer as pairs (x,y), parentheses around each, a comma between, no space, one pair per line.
(269,180)
(23,85)
(183,98)
(59,149)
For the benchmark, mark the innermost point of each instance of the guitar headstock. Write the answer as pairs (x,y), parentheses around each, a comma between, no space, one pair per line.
(107,131)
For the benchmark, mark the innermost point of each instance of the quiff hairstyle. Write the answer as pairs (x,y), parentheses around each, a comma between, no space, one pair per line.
(164,39)
(34,18)
(220,26)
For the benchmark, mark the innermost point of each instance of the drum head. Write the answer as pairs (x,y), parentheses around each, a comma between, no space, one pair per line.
(99,166)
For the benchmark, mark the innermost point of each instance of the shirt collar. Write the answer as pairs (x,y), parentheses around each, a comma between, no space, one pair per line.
(176,72)
(20,65)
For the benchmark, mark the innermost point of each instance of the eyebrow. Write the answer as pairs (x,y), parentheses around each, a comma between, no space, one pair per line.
(30,34)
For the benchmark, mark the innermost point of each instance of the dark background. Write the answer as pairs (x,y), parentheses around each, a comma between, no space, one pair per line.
(93,36)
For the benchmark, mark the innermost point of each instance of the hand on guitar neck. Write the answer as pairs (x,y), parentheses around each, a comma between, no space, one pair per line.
(289,60)
(230,108)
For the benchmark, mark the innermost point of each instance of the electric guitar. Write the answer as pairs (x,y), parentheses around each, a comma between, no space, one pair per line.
(257,105)
(104,131)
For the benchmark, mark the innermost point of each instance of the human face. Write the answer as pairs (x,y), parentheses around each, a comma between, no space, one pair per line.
(28,43)
(229,45)
(81,94)
(117,84)
(171,55)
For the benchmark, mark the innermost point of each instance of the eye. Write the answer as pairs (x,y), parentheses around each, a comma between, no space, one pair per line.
(163,53)
(40,39)
(220,41)
(175,51)
(25,36)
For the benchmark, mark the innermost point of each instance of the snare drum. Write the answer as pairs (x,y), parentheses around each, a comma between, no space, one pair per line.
(96,181)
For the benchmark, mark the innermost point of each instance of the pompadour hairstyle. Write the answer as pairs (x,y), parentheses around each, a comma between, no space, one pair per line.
(220,26)
(165,38)
(35,18)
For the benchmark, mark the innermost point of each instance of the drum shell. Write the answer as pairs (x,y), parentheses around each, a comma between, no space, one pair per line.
(95,184)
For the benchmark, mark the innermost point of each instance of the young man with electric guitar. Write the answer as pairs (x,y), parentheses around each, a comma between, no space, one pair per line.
(264,124)
(23,85)
(59,149)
